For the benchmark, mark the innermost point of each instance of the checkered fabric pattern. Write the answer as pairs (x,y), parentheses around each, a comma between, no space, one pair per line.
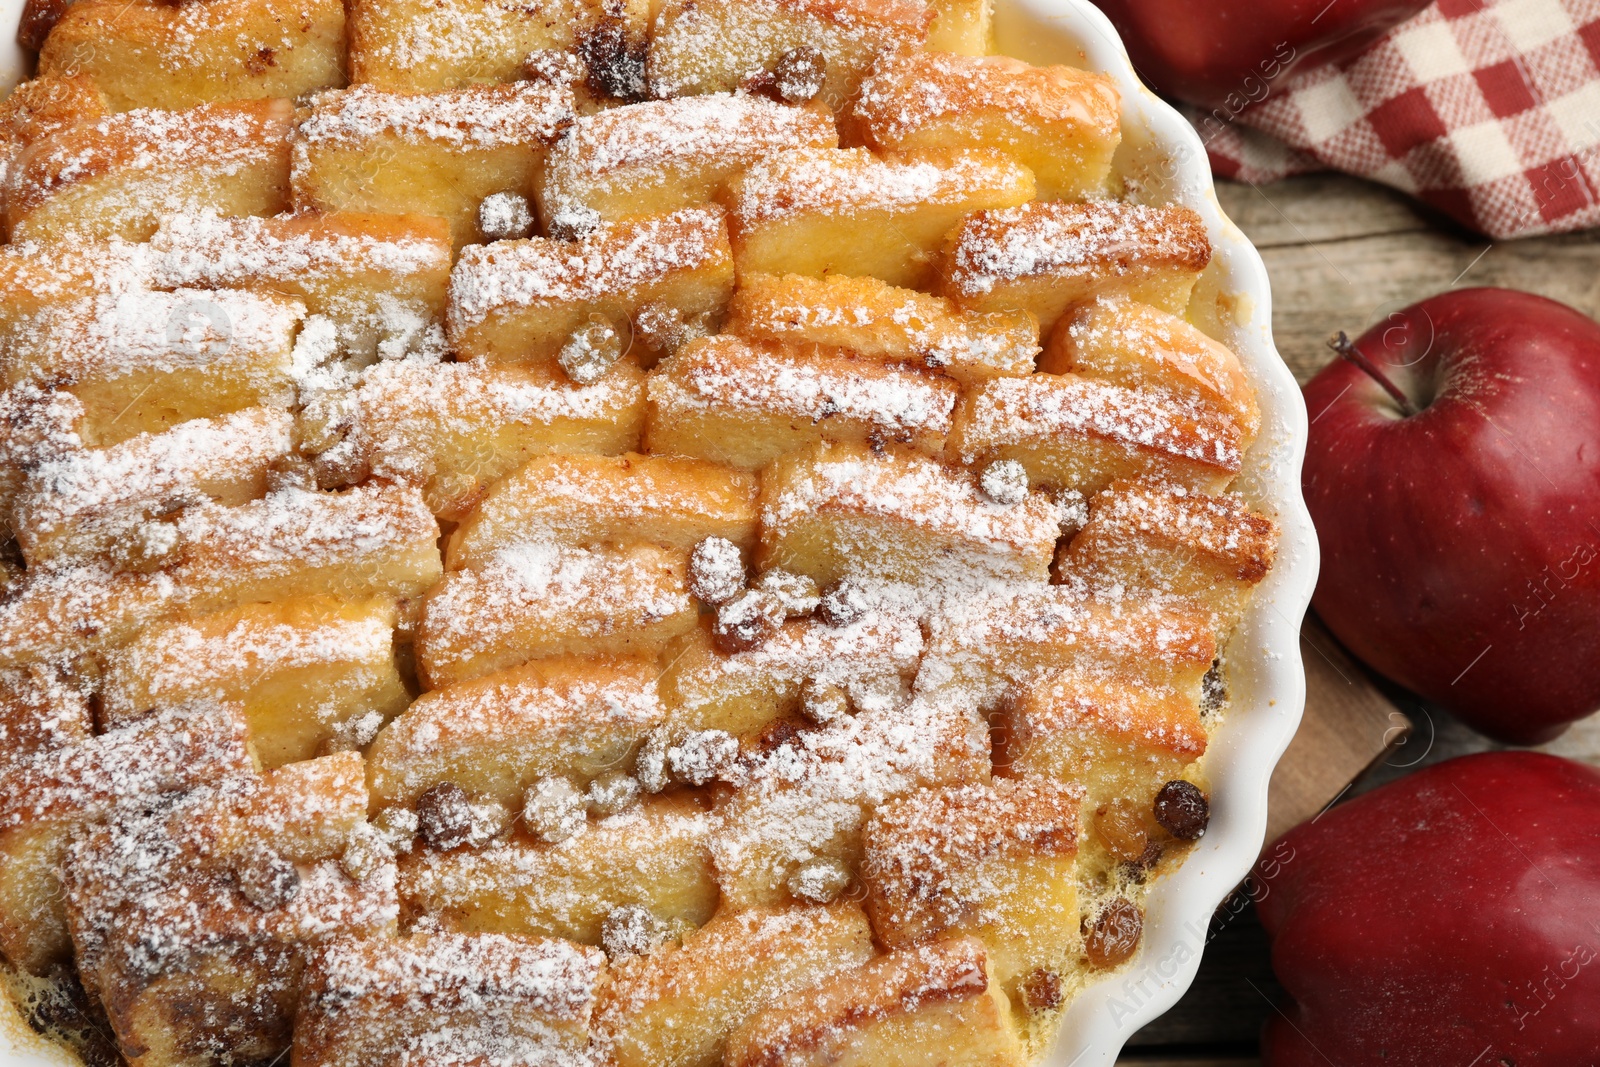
(1487,109)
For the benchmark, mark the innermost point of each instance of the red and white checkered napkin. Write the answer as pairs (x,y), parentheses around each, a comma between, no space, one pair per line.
(1487,109)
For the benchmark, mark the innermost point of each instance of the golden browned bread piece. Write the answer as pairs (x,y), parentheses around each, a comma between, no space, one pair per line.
(652,857)
(454,429)
(740,692)
(745,404)
(840,510)
(440,153)
(305,672)
(69,782)
(874,319)
(994,861)
(87,504)
(792,830)
(40,107)
(930,1002)
(540,600)
(446,998)
(143,53)
(52,614)
(379,279)
(1116,741)
(1048,256)
(122,175)
(1140,347)
(143,362)
(1060,122)
(427,45)
(374,540)
(191,920)
(41,708)
(37,278)
(585,501)
(844,211)
(982,647)
(498,734)
(1076,433)
(660,156)
(522,301)
(674,1007)
(45,104)
(706,46)
(1156,540)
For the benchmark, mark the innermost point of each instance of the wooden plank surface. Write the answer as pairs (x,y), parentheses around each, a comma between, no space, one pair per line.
(1343,255)
(1348,726)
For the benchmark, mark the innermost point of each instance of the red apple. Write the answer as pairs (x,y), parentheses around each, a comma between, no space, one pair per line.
(1449,919)
(1460,516)
(1226,54)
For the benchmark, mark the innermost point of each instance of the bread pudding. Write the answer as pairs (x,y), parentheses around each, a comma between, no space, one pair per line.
(593,532)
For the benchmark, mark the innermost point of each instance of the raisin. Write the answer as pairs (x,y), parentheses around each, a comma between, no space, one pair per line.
(716,571)
(615,64)
(747,622)
(505,217)
(798,75)
(1005,482)
(650,766)
(631,930)
(613,793)
(1114,934)
(775,735)
(554,809)
(1041,990)
(365,855)
(590,352)
(573,222)
(662,328)
(819,880)
(1182,810)
(340,467)
(1213,690)
(291,472)
(1136,869)
(842,603)
(703,757)
(1121,830)
(444,816)
(823,704)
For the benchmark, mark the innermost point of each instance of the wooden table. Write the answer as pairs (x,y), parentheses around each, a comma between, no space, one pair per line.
(1343,254)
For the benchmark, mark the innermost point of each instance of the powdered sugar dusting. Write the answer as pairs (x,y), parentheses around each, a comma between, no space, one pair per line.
(1098,238)
(607,262)
(852,182)
(1009,411)
(476,117)
(723,374)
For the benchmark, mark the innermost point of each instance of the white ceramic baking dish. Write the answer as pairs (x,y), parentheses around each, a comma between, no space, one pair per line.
(1163,162)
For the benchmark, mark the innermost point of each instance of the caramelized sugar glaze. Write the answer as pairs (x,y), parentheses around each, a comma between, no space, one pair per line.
(592,532)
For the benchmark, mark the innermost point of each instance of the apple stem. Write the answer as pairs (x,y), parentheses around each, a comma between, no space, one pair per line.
(1348,351)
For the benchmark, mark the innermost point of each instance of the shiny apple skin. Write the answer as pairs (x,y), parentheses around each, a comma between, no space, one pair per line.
(1461,545)
(1227,53)
(1446,919)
